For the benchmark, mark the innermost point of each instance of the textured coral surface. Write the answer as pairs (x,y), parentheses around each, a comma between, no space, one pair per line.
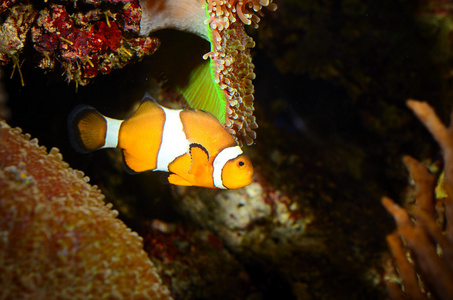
(422,246)
(97,38)
(58,238)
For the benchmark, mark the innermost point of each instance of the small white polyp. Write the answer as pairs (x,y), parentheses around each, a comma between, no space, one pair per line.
(220,161)
(112,133)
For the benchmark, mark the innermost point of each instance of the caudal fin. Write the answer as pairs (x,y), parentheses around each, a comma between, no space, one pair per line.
(87,129)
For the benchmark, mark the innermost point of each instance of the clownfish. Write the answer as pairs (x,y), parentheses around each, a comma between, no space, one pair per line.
(191,145)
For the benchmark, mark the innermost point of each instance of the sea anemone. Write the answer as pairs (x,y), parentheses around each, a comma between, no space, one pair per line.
(59,239)
(223,85)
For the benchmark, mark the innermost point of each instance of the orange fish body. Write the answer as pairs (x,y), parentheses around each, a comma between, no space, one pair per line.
(189,144)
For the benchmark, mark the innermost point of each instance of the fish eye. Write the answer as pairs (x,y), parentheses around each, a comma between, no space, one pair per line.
(241,163)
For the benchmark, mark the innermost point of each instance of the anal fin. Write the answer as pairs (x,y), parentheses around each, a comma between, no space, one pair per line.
(178,180)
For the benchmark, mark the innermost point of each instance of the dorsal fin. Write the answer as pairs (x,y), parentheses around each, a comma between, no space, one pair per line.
(146,105)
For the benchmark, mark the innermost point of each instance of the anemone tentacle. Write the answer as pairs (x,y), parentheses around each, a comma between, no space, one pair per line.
(229,95)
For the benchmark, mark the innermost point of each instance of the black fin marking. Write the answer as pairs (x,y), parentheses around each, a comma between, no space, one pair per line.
(147,97)
(198,146)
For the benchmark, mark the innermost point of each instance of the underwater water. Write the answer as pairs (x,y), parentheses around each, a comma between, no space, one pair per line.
(332,81)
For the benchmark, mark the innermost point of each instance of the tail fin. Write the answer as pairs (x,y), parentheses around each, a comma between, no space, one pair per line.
(87,129)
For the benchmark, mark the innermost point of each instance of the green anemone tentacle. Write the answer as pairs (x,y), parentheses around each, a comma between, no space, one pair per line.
(223,85)
(201,91)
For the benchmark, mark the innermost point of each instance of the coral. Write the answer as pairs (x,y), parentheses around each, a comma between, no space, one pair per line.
(223,86)
(248,219)
(189,261)
(424,229)
(104,35)
(330,174)
(14,32)
(58,238)
(231,61)
(295,226)
(85,42)
(232,67)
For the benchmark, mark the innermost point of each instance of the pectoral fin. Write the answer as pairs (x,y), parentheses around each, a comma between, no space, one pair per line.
(199,156)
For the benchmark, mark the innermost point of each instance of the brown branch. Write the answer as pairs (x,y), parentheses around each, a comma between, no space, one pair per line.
(441,134)
(420,231)
(405,269)
(424,185)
